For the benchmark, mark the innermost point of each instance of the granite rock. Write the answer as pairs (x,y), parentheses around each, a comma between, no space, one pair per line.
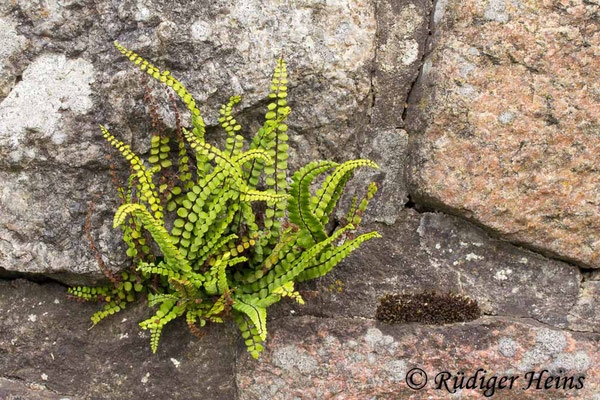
(434,251)
(15,390)
(402,27)
(344,358)
(504,122)
(61,77)
(45,345)
(585,314)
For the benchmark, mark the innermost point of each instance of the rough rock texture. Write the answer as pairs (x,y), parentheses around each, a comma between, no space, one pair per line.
(48,170)
(62,77)
(505,123)
(359,359)
(15,390)
(306,357)
(501,128)
(12,44)
(388,148)
(45,345)
(398,49)
(433,251)
(585,314)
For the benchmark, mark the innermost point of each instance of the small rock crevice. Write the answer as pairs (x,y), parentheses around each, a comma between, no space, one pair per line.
(427,49)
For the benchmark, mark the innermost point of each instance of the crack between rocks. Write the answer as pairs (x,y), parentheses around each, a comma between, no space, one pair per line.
(537,321)
(236,360)
(483,318)
(372,93)
(441,208)
(39,278)
(424,207)
(426,52)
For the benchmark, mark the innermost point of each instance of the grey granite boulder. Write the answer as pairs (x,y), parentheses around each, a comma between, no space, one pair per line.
(61,77)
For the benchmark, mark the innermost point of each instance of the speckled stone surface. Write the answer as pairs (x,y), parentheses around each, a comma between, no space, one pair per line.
(15,390)
(434,251)
(505,121)
(60,77)
(316,358)
(500,128)
(47,352)
(585,314)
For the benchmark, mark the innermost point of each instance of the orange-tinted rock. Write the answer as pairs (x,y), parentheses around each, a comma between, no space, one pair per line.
(505,122)
(325,358)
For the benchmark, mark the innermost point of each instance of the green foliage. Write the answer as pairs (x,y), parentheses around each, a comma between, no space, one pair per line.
(236,235)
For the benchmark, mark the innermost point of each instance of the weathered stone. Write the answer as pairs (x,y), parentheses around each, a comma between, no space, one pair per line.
(15,390)
(32,111)
(433,251)
(342,74)
(43,218)
(402,27)
(585,314)
(387,148)
(357,358)
(11,43)
(45,343)
(505,123)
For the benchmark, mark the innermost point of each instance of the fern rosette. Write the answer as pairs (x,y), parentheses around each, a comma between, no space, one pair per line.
(223,255)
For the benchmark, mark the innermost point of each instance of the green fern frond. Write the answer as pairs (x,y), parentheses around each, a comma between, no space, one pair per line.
(249,333)
(256,195)
(332,257)
(166,78)
(143,176)
(187,289)
(298,206)
(156,299)
(286,290)
(160,235)
(109,309)
(253,154)
(168,311)
(160,269)
(222,304)
(330,192)
(234,142)
(88,293)
(214,239)
(285,239)
(355,214)
(277,277)
(265,139)
(256,314)
(212,153)
(159,152)
(276,172)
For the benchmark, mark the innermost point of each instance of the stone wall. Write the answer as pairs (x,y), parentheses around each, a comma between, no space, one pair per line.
(484,116)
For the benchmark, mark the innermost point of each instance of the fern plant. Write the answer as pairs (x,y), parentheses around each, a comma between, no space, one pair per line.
(242,233)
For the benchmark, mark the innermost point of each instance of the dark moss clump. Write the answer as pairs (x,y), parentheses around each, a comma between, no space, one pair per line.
(427,308)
